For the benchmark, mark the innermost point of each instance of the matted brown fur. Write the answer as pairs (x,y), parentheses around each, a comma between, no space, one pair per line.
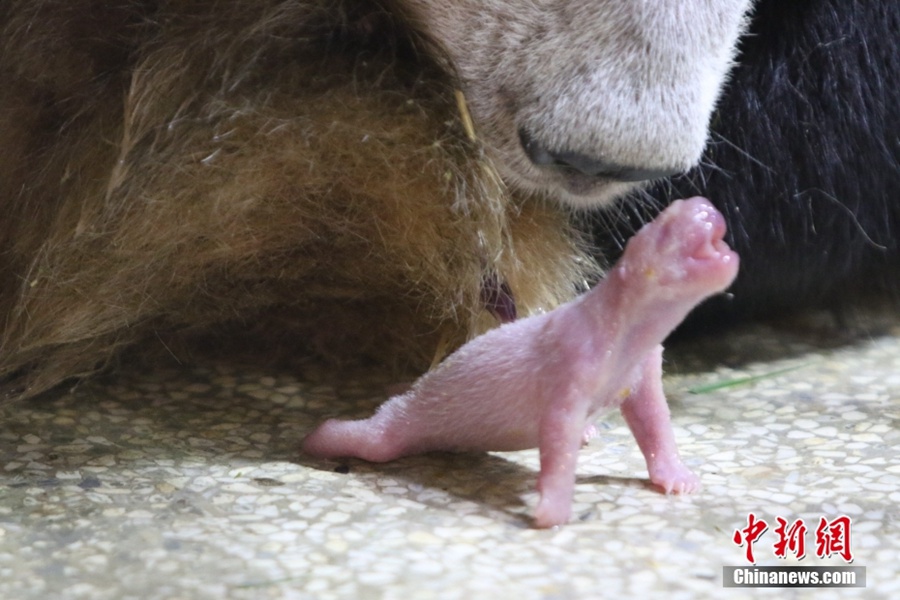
(185,166)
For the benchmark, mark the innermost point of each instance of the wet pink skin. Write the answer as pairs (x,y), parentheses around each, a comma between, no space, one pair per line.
(541,381)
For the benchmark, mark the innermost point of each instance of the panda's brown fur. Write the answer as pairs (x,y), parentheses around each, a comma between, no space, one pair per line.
(298,169)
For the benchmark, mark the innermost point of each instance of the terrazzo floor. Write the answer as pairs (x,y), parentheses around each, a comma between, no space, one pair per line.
(171,482)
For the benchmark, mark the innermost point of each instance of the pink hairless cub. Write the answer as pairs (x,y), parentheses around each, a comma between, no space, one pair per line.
(540,381)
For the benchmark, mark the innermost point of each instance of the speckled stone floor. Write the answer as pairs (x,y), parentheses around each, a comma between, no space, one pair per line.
(188,483)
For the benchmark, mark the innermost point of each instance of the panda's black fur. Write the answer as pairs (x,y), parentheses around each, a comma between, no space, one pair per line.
(804,160)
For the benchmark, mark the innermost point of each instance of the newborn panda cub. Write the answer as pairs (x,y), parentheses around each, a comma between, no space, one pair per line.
(540,381)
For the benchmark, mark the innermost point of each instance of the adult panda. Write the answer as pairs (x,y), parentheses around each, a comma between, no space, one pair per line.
(803,160)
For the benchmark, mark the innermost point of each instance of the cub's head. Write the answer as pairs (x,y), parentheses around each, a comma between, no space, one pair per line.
(584,99)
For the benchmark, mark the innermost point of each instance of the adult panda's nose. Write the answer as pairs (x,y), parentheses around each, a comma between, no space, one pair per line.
(570,162)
